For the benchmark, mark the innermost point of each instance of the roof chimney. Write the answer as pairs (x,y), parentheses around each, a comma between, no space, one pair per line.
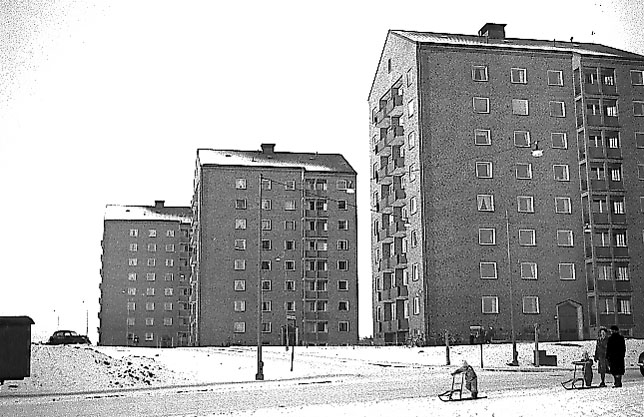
(158,204)
(268,148)
(493,31)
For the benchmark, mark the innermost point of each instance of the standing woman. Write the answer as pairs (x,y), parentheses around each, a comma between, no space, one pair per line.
(600,354)
(615,352)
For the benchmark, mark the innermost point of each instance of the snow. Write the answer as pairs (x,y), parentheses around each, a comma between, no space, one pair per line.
(120,212)
(85,368)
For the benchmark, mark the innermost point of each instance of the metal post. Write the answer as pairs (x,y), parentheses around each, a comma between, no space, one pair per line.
(481,355)
(515,354)
(536,344)
(260,365)
(447,362)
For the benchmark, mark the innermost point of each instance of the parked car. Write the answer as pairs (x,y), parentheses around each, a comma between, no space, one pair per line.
(640,362)
(67,337)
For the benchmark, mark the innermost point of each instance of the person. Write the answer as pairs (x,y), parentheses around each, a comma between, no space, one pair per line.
(471,380)
(615,353)
(588,369)
(600,355)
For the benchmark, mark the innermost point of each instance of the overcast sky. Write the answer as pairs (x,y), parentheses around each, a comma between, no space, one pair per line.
(107,102)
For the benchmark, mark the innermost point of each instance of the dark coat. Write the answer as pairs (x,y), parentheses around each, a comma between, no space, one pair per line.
(600,355)
(615,352)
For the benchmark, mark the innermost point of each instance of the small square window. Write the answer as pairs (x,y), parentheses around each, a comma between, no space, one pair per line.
(528,270)
(637,77)
(489,305)
(525,204)
(485,202)
(240,204)
(524,171)
(557,109)
(518,76)
(240,183)
(527,237)
(239,327)
(531,305)
(487,236)
(487,270)
(521,139)
(481,105)
(555,77)
(482,137)
(561,172)
(240,244)
(343,285)
(639,139)
(289,205)
(564,238)
(559,140)
(520,107)
(240,285)
(152,233)
(343,225)
(240,224)
(484,170)
(479,73)
(638,108)
(134,232)
(562,205)
(240,264)
(239,305)
(566,271)
(266,224)
(289,185)
(267,285)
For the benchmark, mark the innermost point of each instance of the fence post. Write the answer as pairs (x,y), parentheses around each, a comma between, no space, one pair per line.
(447,347)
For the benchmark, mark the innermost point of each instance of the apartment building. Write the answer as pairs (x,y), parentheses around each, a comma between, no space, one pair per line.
(507,187)
(145,276)
(274,248)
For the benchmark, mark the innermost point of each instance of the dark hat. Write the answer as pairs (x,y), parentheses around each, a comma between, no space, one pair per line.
(614,327)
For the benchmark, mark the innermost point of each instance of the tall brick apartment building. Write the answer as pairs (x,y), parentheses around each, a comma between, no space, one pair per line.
(507,182)
(145,276)
(295,235)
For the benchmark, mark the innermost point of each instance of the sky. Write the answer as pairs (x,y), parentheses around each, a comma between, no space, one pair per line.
(107,102)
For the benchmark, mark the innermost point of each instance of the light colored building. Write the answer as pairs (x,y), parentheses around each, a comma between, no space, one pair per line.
(145,276)
(507,187)
(285,222)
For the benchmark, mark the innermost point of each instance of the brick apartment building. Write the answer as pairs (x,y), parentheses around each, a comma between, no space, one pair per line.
(145,276)
(295,235)
(507,184)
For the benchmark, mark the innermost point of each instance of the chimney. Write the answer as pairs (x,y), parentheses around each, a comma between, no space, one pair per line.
(158,204)
(268,148)
(493,31)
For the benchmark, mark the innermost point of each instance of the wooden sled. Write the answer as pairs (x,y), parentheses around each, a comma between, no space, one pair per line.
(456,393)
(577,382)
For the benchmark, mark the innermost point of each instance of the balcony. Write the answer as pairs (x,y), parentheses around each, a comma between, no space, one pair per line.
(600,218)
(602,252)
(611,121)
(384,175)
(614,153)
(595,153)
(623,286)
(598,185)
(396,166)
(403,324)
(316,233)
(398,229)
(399,260)
(384,265)
(618,218)
(615,185)
(624,319)
(384,234)
(394,105)
(384,206)
(316,213)
(594,119)
(620,252)
(396,135)
(397,198)
(316,295)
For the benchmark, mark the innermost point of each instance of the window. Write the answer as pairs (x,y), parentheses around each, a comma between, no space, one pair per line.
(267,204)
(132,262)
(240,264)
(267,305)
(530,305)
(520,107)
(637,77)
(169,247)
(131,321)
(239,327)
(343,225)
(167,306)
(623,306)
(266,265)
(618,205)
(240,224)
(487,236)
(566,271)
(479,73)
(415,272)
(289,205)
(559,140)
(152,247)
(169,233)
(601,239)
(134,232)
(149,337)
(485,202)
(487,270)
(389,65)
(152,261)
(564,238)
(150,291)
(266,184)
(342,205)
(561,172)
(416,305)
(639,139)
(557,109)
(489,304)
(131,276)
(342,245)
(527,237)
(289,306)
(590,75)
(484,170)
(525,204)
(290,225)
(149,321)
(289,185)
(621,273)
(343,265)
(638,108)
(266,244)
(149,306)
(240,204)
(562,205)
(481,104)
(289,265)
(289,285)
(343,306)
(521,139)
(239,305)
(518,76)
(240,244)
(413,206)
(620,239)
(168,291)
(343,326)
(610,108)
(409,76)
(528,270)
(343,285)
(606,305)
(240,183)
(482,137)
(131,306)
(266,224)
(167,321)
(555,77)
(412,172)
(152,233)
(267,285)
(134,247)
(169,276)
(524,171)
(150,276)
(240,285)
(410,108)
(131,291)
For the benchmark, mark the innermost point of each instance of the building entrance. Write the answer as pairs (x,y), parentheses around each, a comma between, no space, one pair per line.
(569,320)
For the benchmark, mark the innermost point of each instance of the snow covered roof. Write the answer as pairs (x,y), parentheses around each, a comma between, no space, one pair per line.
(123,212)
(513,43)
(268,158)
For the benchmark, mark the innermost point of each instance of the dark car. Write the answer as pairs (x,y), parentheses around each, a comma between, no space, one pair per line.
(67,337)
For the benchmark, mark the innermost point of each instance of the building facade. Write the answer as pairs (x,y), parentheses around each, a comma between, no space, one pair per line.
(145,276)
(506,188)
(285,223)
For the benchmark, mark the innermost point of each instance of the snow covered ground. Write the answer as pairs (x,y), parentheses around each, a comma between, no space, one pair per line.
(75,369)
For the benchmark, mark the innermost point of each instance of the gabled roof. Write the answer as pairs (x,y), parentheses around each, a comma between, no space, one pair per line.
(589,49)
(315,162)
(124,212)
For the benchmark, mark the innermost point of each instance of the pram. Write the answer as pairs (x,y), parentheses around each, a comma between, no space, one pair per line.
(456,393)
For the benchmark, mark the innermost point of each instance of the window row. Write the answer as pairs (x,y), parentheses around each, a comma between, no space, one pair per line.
(290,265)
(151,276)
(151,291)
(153,233)
(523,171)
(528,270)
(291,205)
(239,306)
(289,245)
(520,107)
(522,139)
(289,285)
(525,204)
(526,237)
(608,107)
(490,304)
(517,75)
(309,327)
(607,76)
(151,306)
(321,225)
(152,247)
(612,305)
(291,185)
(153,262)
(167,321)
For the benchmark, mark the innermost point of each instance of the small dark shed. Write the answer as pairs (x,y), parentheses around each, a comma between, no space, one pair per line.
(15,347)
